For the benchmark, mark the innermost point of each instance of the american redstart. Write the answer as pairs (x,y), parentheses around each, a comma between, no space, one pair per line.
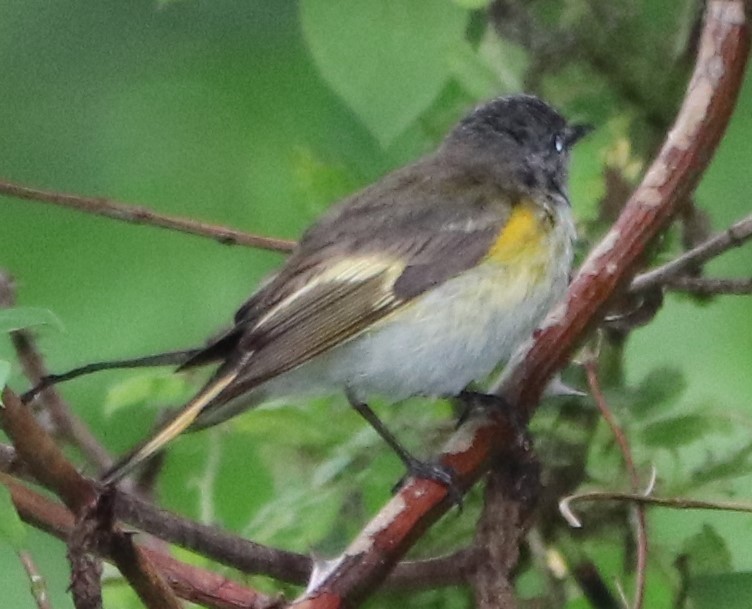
(415,286)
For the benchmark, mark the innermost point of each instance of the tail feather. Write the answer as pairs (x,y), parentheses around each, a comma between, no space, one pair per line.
(171,428)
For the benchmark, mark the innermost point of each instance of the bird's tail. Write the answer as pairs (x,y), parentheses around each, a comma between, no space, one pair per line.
(172,427)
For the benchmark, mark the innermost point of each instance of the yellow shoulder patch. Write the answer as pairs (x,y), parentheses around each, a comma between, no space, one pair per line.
(524,234)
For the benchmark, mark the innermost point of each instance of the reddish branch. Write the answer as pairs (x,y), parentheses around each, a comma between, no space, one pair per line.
(698,128)
(48,465)
(140,215)
(188,582)
(225,548)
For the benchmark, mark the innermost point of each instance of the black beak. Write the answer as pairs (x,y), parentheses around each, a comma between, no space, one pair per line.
(574,133)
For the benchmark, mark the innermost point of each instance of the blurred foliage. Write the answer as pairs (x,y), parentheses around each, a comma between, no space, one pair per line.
(260,114)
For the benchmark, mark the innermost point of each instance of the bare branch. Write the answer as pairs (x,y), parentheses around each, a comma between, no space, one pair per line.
(242,554)
(134,214)
(44,458)
(85,566)
(189,582)
(142,574)
(38,585)
(254,558)
(510,498)
(736,235)
(676,503)
(709,286)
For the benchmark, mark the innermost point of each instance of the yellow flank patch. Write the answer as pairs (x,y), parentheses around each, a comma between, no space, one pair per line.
(523,236)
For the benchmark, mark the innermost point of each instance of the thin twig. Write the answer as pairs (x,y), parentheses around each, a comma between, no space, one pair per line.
(734,236)
(254,558)
(641,535)
(709,286)
(37,584)
(70,427)
(676,503)
(135,214)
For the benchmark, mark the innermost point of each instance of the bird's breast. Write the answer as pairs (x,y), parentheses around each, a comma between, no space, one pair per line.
(461,330)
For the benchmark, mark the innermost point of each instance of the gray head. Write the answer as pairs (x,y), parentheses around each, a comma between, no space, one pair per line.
(523,136)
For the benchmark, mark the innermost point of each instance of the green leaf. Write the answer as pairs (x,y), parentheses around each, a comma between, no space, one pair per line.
(660,388)
(674,432)
(154,388)
(18,318)
(12,530)
(707,552)
(388,60)
(726,590)
(717,469)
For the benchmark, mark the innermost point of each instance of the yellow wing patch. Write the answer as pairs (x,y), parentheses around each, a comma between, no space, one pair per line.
(523,237)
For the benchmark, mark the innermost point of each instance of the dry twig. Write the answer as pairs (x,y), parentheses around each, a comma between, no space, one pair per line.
(134,214)
(243,554)
(676,503)
(734,236)
(709,286)
(36,581)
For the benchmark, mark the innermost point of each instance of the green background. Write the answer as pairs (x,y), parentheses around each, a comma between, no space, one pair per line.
(255,115)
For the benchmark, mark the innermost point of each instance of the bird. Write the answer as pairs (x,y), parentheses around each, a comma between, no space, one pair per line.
(417,285)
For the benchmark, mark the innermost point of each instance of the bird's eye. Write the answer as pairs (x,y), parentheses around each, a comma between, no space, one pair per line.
(559,143)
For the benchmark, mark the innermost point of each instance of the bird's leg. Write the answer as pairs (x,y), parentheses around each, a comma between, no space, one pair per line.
(415,467)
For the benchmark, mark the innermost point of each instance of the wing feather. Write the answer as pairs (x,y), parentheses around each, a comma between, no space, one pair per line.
(321,318)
